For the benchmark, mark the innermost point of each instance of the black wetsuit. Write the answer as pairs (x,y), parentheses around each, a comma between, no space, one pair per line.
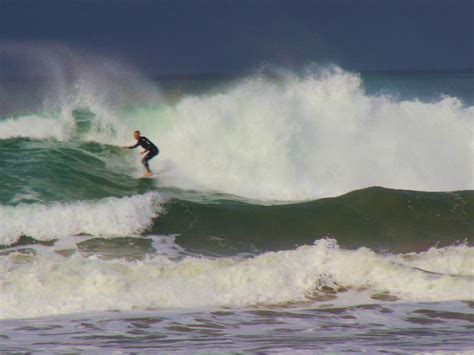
(152,150)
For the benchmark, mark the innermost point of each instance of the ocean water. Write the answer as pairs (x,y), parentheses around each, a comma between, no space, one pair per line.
(319,211)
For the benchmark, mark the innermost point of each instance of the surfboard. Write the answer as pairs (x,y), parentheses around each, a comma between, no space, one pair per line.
(154,176)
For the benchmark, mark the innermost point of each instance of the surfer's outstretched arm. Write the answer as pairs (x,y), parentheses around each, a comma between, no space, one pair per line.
(130,146)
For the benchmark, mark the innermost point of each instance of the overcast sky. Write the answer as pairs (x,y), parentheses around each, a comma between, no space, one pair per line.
(202,36)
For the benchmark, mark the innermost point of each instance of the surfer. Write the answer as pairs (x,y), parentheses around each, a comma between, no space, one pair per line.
(151,150)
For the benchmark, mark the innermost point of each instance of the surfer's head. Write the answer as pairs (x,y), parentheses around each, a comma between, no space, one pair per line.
(136,134)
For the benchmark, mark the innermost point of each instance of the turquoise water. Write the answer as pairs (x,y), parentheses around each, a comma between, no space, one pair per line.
(319,211)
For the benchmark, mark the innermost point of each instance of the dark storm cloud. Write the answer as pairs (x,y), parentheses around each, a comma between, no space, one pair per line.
(234,35)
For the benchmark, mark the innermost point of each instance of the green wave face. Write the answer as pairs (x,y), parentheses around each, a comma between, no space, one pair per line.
(383,219)
(51,170)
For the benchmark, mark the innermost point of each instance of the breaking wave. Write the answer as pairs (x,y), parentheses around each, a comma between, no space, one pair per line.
(320,274)
(108,217)
(289,139)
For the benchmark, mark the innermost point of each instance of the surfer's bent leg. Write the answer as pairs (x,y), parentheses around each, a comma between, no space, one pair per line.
(151,154)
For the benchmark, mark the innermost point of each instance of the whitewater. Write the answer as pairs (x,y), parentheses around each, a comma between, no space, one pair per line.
(53,284)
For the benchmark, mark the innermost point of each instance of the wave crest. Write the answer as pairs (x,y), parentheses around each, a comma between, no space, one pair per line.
(106,217)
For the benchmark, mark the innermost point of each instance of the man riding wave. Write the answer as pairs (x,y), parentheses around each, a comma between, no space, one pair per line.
(150,151)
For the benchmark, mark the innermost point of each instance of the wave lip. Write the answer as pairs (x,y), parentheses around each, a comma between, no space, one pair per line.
(57,285)
(105,218)
(34,127)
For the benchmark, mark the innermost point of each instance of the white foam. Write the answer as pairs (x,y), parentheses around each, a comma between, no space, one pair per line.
(317,136)
(35,127)
(40,286)
(457,260)
(105,217)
